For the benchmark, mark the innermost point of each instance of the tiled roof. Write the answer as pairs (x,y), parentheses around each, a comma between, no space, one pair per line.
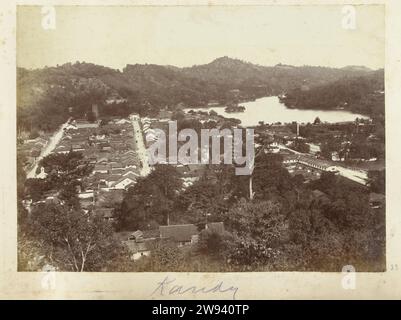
(179,233)
(113,177)
(101,167)
(118,171)
(122,179)
(138,234)
(316,162)
(116,165)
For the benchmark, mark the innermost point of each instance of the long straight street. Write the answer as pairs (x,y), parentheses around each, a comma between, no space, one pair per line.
(140,145)
(54,140)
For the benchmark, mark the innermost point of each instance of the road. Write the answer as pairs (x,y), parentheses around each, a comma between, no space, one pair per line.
(54,140)
(281,146)
(359,176)
(140,145)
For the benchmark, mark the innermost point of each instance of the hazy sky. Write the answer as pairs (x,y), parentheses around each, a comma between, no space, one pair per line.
(184,36)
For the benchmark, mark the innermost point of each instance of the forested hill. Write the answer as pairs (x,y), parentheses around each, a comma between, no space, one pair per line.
(279,78)
(47,96)
(361,94)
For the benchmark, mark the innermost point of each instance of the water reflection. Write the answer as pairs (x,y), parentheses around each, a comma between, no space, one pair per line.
(270,110)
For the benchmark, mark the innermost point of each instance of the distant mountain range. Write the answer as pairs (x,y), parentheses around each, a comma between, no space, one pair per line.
(45,95)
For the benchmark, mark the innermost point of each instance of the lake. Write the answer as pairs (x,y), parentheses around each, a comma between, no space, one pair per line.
(271,110)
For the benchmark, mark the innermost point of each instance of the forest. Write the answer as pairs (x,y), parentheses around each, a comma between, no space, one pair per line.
(288,225)
(47,97)
(362,94)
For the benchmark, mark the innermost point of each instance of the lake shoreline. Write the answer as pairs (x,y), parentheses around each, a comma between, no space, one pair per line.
(270,110)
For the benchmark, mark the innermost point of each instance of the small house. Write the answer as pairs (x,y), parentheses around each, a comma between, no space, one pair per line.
(137,236)
(124,183)
(184,234)
(138,250)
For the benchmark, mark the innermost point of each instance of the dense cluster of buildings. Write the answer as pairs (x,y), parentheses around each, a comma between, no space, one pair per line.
(110,148)
(311,167)
(190,173)
(278,139)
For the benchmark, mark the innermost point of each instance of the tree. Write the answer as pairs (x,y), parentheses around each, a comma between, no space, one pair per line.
(329,146)
(377,181)
(166,257)
(300,146)
(30,253)
(214,244)
(67,164)
(178,115)
(75,241)
(35,188)
(34,134)
(317,121)
(259,229)
(91,116)
(64,173)
(298,179)
(270,178)
(205,198)
(151,199)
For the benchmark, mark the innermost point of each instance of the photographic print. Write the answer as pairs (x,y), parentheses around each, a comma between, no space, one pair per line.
(201,138)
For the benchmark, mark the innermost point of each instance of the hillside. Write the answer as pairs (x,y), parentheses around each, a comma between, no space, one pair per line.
(46,97)
(279,78)
(362,94)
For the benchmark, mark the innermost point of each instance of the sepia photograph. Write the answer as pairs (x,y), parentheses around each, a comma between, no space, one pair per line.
(201,138)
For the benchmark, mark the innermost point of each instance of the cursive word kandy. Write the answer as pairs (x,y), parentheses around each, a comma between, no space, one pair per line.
(168,287)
